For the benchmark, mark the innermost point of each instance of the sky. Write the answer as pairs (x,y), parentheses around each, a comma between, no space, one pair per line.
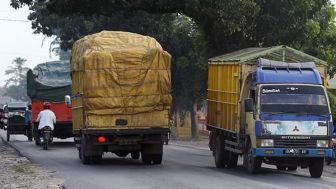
(17,40)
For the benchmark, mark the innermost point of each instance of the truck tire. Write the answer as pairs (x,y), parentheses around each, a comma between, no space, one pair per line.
(253,164)
(157,159)
(85,159)
(135,155)
(281,167)
(292,168)
(233,160)
(316,167)
(221,155)
(149,157)
(146,158)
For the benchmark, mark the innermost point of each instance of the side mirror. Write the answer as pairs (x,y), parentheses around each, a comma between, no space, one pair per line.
(67,100)
(249,105)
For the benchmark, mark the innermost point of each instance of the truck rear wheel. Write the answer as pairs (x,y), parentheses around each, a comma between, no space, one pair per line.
(233,160)
(85,159)
(316,167)
(146,159)
(157,158)
(152,154)
(221,155)
(292,168)
(281,167)
(135,155)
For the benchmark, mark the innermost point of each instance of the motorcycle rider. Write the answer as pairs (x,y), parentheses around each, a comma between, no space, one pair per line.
(45,118)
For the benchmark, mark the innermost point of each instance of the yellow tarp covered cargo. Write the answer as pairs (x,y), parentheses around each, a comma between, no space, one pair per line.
(120,75)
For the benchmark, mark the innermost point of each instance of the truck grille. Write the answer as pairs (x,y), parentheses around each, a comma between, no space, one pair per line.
(300,143)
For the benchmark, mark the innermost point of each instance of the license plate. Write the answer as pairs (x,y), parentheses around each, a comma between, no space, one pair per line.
(294,151)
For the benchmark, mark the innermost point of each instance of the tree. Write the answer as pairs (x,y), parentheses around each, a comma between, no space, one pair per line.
(227,24)
(194,30)
(16,85)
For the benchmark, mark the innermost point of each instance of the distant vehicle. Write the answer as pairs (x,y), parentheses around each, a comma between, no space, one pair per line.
(269,111)
(46,137)
(121,87)
(15,112)
(50,82)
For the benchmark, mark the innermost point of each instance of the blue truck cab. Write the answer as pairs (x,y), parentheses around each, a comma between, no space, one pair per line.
(275,113)
(288,117)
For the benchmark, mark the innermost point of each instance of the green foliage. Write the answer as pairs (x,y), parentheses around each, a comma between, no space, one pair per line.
(194,30)
(332,101)
(16,85)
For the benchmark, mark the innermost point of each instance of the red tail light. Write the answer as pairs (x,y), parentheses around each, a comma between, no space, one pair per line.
(101,139)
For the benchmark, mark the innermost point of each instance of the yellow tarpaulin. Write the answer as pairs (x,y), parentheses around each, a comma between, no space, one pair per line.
(120,75)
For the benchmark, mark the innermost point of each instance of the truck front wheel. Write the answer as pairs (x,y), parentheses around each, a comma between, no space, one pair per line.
(316,167)
(253,164)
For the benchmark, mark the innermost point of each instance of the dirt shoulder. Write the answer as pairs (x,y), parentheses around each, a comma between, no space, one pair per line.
(19,172)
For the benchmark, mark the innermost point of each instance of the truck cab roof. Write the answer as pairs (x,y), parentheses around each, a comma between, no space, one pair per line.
(270,71)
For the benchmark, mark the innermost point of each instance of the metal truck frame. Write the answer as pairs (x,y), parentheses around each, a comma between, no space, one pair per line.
(246,129)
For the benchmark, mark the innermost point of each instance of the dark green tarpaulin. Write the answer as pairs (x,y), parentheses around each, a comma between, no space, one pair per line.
(49,81)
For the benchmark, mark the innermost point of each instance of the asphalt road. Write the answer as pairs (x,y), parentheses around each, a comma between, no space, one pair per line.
(182,168)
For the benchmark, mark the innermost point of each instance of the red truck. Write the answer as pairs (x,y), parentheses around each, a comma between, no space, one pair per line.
(50,82)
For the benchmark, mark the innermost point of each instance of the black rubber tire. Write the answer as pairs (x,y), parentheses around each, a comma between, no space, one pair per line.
(146,158)
(253,164)
(157,159)
(8,136)
(221,155)
(85,159)
(281,167)
(135,155)
(292,168)
(233,160)
(316,167)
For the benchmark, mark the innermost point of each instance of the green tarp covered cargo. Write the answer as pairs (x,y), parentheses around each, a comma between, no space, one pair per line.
(49,81)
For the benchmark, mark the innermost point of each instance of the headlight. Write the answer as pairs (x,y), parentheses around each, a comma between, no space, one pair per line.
(267,142)
(322,143)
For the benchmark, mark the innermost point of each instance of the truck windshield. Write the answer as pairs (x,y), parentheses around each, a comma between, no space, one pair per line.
(293,99)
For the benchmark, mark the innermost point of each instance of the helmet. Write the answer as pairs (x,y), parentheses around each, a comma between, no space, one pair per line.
(46,105)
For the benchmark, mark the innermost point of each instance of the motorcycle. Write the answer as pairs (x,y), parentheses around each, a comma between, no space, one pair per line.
(46,137)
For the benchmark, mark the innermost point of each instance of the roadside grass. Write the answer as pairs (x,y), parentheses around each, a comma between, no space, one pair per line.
(23,168)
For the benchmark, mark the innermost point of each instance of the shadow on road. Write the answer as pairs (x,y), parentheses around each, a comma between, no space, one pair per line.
(264,171)
(63,144)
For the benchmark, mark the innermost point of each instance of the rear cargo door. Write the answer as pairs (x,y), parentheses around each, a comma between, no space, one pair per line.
(223,95)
